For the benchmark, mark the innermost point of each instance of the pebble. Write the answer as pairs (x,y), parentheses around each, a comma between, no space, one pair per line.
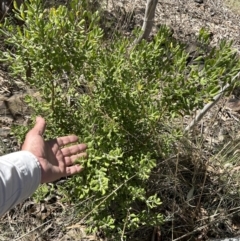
(4,132)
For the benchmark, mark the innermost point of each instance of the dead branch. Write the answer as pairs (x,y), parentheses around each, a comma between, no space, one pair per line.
(148,21)
(208,106)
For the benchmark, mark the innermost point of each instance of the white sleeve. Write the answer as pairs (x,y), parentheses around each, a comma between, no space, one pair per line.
(20,175)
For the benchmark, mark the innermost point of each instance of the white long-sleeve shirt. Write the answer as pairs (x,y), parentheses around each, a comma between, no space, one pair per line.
(20,175)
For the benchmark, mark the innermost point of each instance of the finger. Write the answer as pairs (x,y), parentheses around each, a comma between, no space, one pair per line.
(71,160)
(73,170)
(65,140)
(72,150)
(39,126)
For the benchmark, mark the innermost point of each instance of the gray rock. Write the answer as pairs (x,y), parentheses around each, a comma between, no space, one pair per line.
(4,132)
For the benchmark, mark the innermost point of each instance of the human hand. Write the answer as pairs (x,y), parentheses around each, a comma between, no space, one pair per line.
(56,160)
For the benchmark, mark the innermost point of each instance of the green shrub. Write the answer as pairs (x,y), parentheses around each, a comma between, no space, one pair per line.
(123,104)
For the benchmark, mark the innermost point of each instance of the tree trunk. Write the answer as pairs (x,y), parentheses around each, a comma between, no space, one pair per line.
(148,20)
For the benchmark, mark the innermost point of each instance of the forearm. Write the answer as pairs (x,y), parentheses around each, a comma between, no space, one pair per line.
(20,175)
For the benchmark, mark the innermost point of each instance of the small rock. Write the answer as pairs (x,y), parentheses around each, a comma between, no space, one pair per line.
(7,120)
(212,14)
(5,132)
(234,105)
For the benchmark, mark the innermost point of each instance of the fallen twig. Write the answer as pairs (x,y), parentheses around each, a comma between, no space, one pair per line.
(208,106)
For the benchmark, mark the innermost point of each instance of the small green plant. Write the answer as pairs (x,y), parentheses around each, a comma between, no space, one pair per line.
(41,192)
(122,104)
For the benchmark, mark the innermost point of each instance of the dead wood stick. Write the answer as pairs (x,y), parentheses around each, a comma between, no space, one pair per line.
(208,106)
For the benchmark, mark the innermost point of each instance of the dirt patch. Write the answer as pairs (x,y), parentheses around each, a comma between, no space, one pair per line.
(234,5)
(187,17)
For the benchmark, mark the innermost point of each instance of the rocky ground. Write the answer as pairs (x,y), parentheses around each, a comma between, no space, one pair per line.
(55,221)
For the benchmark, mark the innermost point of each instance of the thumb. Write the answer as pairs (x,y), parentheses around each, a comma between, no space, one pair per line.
(39,126)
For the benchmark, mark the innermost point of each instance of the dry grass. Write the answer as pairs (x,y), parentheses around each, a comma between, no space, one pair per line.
(199,187)
(234,5)
(43,221)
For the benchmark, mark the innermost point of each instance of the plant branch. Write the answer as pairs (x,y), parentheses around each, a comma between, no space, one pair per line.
(148,21)
(208,106)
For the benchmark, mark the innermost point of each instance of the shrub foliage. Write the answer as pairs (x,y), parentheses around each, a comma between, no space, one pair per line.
(121,102)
